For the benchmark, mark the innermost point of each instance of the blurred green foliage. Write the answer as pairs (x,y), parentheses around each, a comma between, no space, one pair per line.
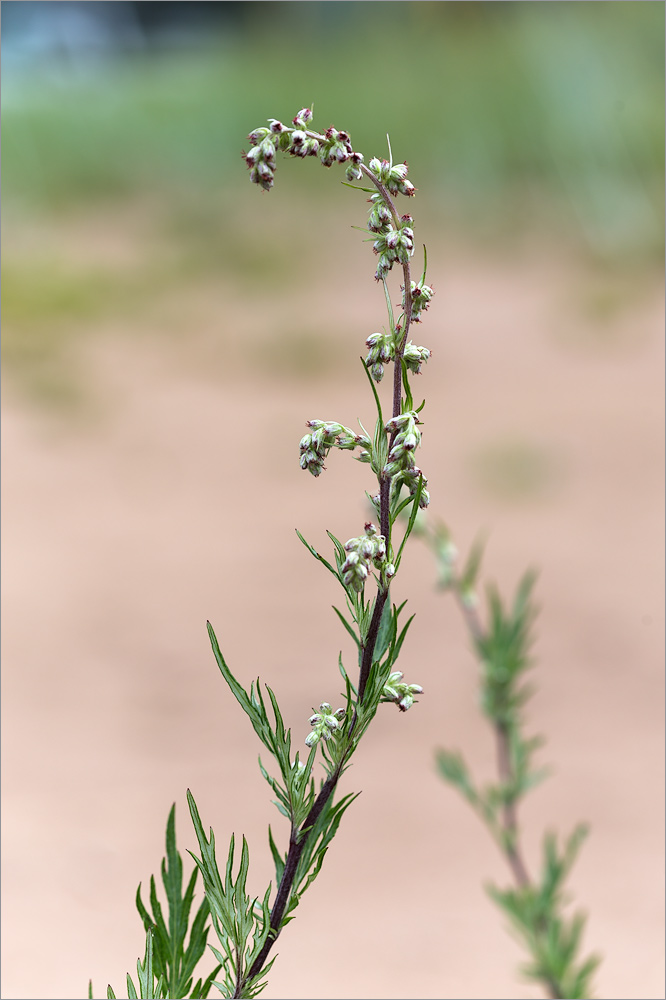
(123,181)
(514,112)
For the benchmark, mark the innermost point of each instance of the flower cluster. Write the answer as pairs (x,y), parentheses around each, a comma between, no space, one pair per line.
(324,723)
(261,158)
(414,357)
(363,553)
(393,245)
(381,350)
(327,434)
(400,694)
(401,465)
(331,147)
(421,296)
(392,175)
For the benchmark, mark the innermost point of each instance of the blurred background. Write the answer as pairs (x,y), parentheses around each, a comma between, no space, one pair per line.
(167,330)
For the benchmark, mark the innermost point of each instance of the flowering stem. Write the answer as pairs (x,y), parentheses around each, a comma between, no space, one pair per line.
(371,550)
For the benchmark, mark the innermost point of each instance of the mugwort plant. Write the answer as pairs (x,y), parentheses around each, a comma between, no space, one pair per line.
(365,567)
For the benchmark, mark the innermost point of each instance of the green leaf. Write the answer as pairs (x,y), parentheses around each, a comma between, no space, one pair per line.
(348,627)
(408,401)
(389,307)
(472,566)
(386,632)
(357,187)
(401,638)
(453,769)
(171,961)
(318,557)
(378,404)
(412,518)
(425,265)
(278,859)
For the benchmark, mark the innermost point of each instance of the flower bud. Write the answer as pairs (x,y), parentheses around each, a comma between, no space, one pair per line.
(303,117)
(257,135)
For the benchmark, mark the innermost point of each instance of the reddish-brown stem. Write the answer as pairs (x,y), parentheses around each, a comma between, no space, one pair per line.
(299,837)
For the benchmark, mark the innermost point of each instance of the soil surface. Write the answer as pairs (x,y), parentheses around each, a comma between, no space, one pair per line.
(162,488)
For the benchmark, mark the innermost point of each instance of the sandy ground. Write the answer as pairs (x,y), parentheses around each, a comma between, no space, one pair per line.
(171,494)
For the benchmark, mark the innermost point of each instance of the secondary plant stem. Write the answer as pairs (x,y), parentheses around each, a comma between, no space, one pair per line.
(509,841)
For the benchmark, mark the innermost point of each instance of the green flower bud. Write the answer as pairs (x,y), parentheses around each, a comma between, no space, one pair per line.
(401,694)
(257,135)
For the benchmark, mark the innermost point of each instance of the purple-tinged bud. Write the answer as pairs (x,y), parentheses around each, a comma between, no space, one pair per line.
(268,151)
(276,126)
(314,719)
(257,135)
(303,116)
(311,739)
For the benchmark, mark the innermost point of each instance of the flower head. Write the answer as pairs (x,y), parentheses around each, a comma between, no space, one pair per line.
(363,553)
(399,693)
(324,724)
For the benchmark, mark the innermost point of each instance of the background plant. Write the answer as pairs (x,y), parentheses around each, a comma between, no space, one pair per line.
(535,905)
